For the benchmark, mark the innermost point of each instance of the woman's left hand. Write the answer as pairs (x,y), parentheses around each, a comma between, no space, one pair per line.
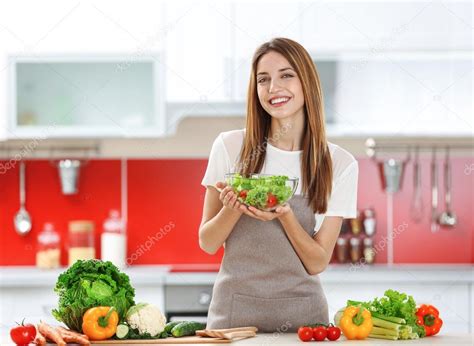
(266,215)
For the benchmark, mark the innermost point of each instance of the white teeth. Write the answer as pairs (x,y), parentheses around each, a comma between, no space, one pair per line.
(278,100)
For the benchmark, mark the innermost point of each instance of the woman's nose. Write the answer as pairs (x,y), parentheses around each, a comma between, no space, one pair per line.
(274,86)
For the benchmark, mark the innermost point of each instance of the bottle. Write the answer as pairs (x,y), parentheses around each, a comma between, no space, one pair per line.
(356,224)
(81,241)
(48,251)
(369,251)
(369,222)
(355,249)
(113,240)
(342,249)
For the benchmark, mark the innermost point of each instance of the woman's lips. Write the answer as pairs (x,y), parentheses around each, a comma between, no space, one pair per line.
(280,104)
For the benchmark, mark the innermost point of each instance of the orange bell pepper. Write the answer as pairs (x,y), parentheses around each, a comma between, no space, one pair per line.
(356,322)
(428,317)
(100,323)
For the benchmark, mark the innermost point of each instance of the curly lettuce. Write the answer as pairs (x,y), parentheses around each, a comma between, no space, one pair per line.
(91,283)
(258,189)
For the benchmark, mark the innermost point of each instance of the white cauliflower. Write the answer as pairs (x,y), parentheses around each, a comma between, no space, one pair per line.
(146,318)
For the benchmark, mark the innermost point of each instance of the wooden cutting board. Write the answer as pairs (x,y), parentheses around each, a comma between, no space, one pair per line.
(170,340)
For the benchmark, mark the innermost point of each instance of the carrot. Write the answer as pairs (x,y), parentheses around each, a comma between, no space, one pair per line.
(71,336)
(40,339)
(51,333)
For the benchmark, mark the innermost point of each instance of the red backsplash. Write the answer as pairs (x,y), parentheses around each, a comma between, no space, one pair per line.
(165,204)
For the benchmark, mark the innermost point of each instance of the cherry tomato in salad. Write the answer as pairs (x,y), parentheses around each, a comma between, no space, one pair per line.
(271,200)
(333,332)
(23,334)
(319,333)
(243,194)
(305,333)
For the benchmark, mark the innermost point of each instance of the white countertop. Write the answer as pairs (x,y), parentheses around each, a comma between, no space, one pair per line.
(30,276)
(292,339)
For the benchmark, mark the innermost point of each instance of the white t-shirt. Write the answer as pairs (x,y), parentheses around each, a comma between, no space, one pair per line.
(343,201)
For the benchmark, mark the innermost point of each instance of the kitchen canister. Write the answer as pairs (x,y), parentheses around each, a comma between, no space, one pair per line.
(113,240)
(81,241)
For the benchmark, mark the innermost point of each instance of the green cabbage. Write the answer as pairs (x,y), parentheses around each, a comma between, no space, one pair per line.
(91,283)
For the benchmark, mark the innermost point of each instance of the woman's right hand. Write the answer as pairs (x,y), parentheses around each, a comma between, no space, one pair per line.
(228,197)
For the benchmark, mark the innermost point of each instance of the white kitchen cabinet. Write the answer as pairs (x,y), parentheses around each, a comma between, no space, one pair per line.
(404,94)
(387,25)
(152,294)
(198,46)
(32,303)
(73,96)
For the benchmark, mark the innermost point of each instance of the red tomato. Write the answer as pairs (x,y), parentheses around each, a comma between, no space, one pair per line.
(305,333)
(271,200)
(23,334)
(333,333)
(319,333)
(243,194)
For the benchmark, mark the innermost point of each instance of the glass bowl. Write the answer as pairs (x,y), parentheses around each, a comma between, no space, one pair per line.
(262,191)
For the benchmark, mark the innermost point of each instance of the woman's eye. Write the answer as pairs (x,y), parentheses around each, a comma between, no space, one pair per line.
(261,80)
(287,76)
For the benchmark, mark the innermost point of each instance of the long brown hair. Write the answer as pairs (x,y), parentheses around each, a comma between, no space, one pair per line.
(316,163)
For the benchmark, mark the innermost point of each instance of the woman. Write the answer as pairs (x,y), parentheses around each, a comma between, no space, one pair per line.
(268,276)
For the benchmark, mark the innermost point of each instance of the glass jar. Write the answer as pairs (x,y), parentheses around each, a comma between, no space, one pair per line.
(81,241)
(355,249)
(369,222)
(356,224)
(48,251)
(342,249)
(369,251)
(113,241)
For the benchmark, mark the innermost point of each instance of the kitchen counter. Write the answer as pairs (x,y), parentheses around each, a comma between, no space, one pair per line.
(292,339)
(21,276)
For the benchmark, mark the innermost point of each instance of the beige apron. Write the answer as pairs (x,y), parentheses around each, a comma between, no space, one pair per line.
(262,282)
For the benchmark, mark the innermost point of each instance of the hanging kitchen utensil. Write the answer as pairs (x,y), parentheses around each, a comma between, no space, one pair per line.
(434,193)
(22,218)
(69,175)
(448,218)
(416,208)
(391,174)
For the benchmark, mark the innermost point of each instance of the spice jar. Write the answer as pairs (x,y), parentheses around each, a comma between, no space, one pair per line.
(369,251)
(48,251)
(355,251)
(342,249)
(356,224)
(369,222)
(81,241)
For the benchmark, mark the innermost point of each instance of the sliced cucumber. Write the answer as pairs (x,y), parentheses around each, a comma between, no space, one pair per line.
(122,331)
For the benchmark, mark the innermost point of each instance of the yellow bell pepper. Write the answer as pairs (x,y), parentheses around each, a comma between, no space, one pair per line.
(356,323)
(100,323)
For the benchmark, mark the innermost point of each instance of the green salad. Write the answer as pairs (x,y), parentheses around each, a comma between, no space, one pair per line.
(263,192)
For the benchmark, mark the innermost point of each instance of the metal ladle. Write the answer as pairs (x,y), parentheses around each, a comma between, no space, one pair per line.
(22,218)
(447,218)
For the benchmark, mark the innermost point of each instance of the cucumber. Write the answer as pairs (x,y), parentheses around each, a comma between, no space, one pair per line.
(170,326)
(187,328)
(122,331)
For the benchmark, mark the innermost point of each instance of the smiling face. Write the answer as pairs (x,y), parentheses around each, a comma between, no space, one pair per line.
(278,86)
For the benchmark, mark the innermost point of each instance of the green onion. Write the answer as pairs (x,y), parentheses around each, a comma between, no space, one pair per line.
(385,324)
(386,337)
(389,318)
(384,331)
